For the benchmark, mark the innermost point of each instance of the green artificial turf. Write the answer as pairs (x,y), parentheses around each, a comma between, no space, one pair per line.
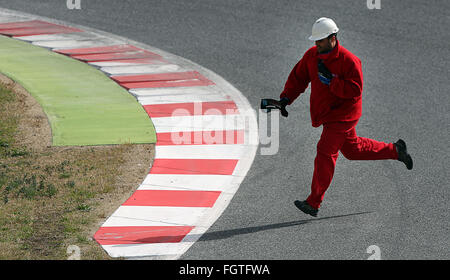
(83,105)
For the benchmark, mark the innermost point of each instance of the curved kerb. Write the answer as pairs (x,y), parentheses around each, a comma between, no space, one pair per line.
(206,135)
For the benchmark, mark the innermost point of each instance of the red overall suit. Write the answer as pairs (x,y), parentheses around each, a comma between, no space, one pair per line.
(338,108)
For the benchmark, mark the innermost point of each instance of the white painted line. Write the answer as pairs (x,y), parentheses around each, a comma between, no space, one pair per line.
(142,69)
(181,98)
(155,216)
(199,123)
(188,182)
(235,151)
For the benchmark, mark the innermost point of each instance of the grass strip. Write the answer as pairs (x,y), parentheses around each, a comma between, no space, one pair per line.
(55,197)
(83,105)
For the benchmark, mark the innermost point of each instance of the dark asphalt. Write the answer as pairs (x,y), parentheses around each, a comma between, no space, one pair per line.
(254,44)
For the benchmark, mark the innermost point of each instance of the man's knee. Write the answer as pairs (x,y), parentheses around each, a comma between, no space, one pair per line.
(347,154)
(350,152)
(325,150)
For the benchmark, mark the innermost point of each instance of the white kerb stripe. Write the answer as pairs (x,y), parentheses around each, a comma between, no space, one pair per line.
(155,216)
(235,151)
(197,90)
(61,37)
(187,182)
(122,63)
(199,123)
(74,44)
(165,250)
(181,98)
(142,69)
(10,18)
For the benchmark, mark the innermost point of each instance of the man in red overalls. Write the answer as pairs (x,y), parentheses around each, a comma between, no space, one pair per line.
(336,85)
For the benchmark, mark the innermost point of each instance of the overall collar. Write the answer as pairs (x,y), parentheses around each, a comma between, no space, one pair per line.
(333,54)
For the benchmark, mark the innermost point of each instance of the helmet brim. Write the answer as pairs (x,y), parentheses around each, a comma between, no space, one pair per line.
(322,36)
(317,38)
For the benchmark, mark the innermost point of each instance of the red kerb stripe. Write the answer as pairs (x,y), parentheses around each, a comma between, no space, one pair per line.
(175,198)
(191,109)
(177,79)
(194,166)
(116,56)
(200,137)
(141,234)
(38,31)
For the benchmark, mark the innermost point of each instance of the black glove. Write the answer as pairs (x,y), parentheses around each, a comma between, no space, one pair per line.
(270,104)
(284,102)
(325,75)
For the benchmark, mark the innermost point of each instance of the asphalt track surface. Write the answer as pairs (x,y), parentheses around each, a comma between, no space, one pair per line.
(253,45)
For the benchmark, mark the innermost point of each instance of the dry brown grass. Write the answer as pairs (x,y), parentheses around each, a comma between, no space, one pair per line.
(53,197)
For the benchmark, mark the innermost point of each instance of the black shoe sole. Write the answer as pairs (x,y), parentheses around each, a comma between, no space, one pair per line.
(403,155)
(300,205)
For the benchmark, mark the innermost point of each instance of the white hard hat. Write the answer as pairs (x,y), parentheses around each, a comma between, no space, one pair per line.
(322,28)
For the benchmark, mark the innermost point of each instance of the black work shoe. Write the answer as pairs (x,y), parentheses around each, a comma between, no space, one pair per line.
(306,208)
(403,155)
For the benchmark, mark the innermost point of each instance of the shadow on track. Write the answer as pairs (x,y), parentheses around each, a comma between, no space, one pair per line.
(223,234)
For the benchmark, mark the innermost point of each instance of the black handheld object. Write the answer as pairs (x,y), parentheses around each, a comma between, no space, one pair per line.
(270,104)
(323,70)
(325,75)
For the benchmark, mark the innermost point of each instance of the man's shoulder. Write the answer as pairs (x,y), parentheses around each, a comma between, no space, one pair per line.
(348,58)
(348,55)
(311,51)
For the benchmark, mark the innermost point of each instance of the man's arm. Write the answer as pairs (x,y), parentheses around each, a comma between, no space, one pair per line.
(297,81)
(351,85)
